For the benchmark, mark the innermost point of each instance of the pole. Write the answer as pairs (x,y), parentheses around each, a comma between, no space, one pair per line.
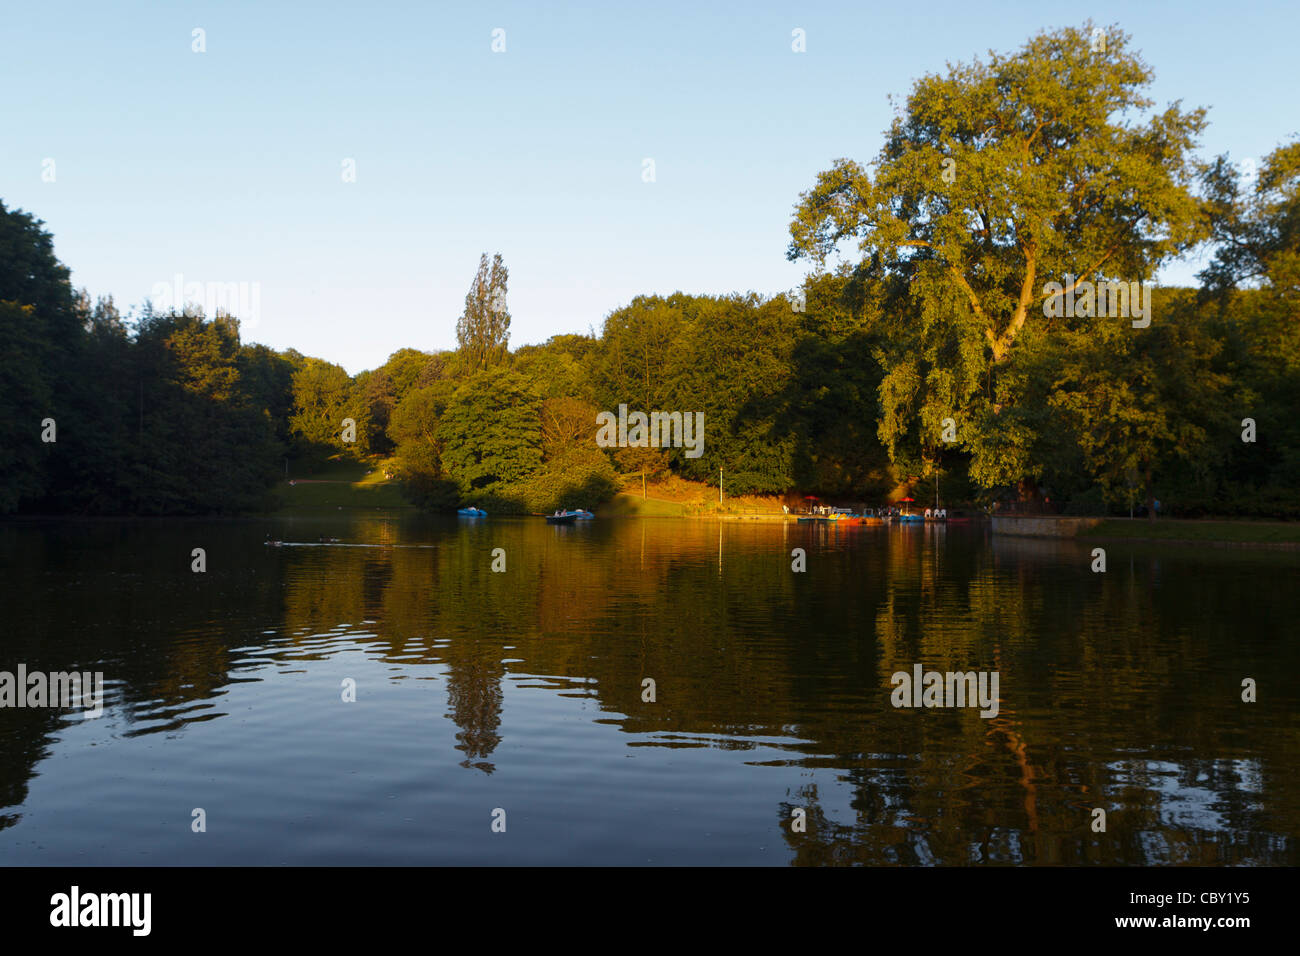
(719,484)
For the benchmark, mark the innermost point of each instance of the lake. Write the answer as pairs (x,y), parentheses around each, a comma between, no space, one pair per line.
(516,700)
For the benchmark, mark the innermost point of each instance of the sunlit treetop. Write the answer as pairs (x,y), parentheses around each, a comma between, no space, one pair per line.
(1017,170)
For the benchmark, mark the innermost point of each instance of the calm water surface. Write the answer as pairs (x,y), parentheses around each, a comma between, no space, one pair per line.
(523,691)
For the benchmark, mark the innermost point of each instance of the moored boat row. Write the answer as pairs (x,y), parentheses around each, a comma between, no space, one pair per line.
(883,516)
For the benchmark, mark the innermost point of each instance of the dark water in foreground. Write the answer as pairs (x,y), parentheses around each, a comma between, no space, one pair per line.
(523,691)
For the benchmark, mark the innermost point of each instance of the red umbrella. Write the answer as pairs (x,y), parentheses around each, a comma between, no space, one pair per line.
(811,498)
(906,499)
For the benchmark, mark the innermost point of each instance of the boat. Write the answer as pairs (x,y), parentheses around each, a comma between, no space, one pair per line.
(562,517)
(584,514)
(848,516)
(471,512)
(906,516)
(820,512)
(840,516)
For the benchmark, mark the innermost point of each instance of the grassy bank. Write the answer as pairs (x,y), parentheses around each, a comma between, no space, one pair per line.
(675,497)
(628,505)
(342,484)
(1171,529)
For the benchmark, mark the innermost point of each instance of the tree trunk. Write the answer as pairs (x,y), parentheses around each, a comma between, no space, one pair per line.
(643,494)
(1151,498)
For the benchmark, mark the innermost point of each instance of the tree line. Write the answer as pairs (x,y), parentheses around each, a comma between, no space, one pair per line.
(928,345)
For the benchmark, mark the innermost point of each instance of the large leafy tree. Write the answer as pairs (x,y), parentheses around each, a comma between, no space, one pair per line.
(97,478)
(998,177)
(829,401)
(322,398)
(409,368)
(568,424)
(414,431)
(640,346)
(1256,225)
(25,401)
(203,445)
(556,367)
(735,360)
(491,432)
(41,362)
(30,273)
(1255,279)
(267,377)
(1138,406)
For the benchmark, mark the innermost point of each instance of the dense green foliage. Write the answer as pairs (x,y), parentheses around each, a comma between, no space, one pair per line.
(173,416)
(1002,190)
(939,353)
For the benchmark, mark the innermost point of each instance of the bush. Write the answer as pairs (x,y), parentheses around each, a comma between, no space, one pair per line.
(580,478)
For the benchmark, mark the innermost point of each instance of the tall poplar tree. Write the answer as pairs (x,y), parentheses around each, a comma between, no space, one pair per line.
(483,331)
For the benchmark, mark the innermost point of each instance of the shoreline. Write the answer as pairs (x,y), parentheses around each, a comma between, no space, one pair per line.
(1218,533)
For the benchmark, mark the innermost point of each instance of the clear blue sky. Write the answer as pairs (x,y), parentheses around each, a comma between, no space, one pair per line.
(226,165)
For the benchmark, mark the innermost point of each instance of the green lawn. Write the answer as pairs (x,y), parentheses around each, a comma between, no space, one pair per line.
(625,505)
(1172,529)
(350,485)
